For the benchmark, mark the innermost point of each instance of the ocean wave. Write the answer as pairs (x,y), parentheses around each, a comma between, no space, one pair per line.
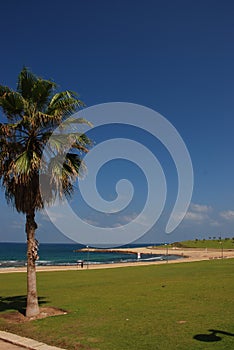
(12,263)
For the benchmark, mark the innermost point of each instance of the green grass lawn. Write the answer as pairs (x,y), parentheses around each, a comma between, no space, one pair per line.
(132,308)
(204,243)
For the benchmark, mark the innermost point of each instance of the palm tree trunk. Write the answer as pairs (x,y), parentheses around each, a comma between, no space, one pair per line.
(32,248)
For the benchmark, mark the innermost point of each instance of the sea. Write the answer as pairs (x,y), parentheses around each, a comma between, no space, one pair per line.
(14,255)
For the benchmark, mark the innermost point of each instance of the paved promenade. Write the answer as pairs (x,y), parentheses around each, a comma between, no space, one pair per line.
(10,341)
(8,346)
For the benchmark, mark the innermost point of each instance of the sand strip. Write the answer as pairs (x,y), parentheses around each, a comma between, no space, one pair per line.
(188,255)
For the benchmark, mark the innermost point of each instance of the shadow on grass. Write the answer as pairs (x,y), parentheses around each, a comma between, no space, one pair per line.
(18,303)
(212,337)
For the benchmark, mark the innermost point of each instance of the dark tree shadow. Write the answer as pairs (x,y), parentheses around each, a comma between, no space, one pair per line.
(212,337)
(18,303)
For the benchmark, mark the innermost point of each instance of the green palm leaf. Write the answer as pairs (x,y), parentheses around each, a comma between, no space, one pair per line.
(4,90)
(26,163)
(41,92)
(12,104)
(26,81)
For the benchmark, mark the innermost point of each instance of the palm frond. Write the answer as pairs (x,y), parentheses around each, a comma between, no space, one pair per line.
(64,95)
(26,81)
(22,164)
(63,104)
(26,163)
(74,165)
(25,196)
(58,143)
(73,120)
(12,104)
(64,107)
(47,121)
(4,90)
(34,111)
(41,92)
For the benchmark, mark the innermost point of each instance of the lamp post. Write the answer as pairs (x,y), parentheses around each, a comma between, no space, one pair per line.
(166,246)
(221,249)
(87,256)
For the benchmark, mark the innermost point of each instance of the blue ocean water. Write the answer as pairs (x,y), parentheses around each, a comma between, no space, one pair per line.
(14,255)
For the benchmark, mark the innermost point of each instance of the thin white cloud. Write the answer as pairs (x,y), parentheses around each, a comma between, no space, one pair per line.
(198,213)
(198,217)
(200,208)
(91,222)
(227,215)
(128,218)
(203,215)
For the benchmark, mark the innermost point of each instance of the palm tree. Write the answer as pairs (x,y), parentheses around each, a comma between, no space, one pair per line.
(32,113)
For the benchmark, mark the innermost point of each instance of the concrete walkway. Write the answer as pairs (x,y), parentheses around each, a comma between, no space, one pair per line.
(10,341)
(8,346)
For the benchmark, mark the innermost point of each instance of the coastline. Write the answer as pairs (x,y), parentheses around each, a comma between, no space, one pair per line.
(186,254)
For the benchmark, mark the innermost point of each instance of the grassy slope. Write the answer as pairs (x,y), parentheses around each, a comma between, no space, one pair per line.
(214,244)
(136,308)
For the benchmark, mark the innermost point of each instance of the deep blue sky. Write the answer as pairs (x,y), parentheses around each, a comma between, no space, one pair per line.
(176,57)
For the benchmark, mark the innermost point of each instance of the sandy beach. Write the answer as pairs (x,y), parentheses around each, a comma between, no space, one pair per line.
(187,254)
